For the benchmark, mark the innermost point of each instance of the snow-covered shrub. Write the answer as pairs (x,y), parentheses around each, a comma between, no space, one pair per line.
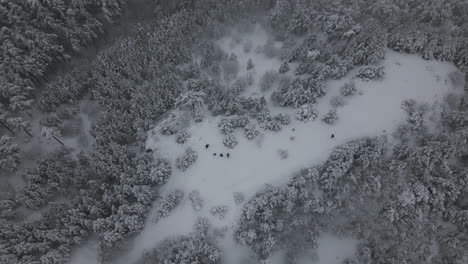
(299,92)
(196,200)
(230,141)
(160,171)
(182,137)
(284,68)
(171,125)
(193,249)
(306,113)
(250,64)
(53,122)
(251,131)
(9,154)
(453,119)
(348,89)
(274,123)
(415,114)
(187,159)
(227,125)
(191,71)
(368,73)
(238,197)
(337,101)
(201,226)
(283,154)
(331,117)
(219,211)
(168,203)
(267,80)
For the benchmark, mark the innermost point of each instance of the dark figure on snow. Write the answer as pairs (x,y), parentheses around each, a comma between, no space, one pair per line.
(214,154)
(149,150)
(332,136)
(227,155)
(207,146)
(221,155)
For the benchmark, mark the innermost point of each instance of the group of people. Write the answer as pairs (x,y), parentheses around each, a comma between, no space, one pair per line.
(220,154)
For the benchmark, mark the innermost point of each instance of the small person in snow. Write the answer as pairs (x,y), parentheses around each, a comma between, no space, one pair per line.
(227,155)
(214,154)
(332,136)
(221,155)
(149,150)
(207,146)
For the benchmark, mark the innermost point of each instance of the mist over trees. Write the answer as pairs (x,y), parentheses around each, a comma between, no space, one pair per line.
(399,199)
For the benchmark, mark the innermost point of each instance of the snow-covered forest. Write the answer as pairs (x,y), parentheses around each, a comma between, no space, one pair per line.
(233,131)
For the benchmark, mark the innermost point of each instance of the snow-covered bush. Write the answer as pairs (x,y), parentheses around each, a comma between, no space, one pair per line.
(230,141)
(238,198)
(283,154)
(299,92)
(274,123)
(171,125)
(219,211)
(169,203)
(201,226)
(251,131)
(182,137)
(284,68)
(306,113)
(267,80)
(331,117)
(227,125)
(160,171)
(415,114)
(9,154)
(348,89)
(368,73)
(187,159)
(337,101)
(193,249)
(196,200)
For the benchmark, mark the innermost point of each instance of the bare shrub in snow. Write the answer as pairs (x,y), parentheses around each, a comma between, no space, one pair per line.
(238,198)
(337,101)
(368,73)
(348,89)
(182,137)
(196,200)
(331,117)
(267,80)
(251,131)
(230,141)
(187,159)
(283,154)
(250,64)
(168,203)
(230,67)
(248,45)
(219,211)
(284,68)
(270,50)
(306,113)
(220,232)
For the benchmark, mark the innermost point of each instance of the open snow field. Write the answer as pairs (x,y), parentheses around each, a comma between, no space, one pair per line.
(374,111)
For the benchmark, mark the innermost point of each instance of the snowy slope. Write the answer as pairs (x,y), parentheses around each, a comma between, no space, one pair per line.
(252,164)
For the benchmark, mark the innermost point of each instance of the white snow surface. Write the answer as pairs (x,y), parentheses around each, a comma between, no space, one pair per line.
(252,164)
